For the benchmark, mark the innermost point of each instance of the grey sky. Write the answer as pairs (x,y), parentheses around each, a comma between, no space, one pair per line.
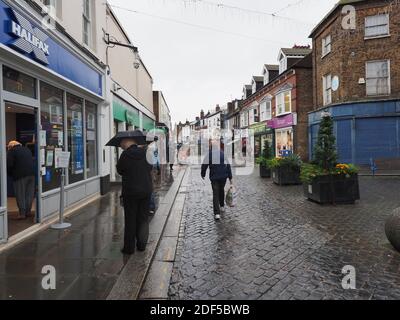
(198,68)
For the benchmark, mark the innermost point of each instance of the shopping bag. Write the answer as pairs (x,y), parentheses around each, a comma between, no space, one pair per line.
(230,197)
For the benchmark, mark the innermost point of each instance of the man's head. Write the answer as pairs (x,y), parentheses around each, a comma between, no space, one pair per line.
(127,143)
(13,144)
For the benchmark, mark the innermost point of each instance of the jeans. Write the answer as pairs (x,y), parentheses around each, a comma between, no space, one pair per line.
(25,193)
(218,187)
(152,202)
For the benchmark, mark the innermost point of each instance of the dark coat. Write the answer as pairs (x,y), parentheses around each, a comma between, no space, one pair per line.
(219,171)
(20,163)
(135,172)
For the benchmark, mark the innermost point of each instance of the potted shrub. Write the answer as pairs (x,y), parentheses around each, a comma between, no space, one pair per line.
(266,155)
(326,181)
(286,170)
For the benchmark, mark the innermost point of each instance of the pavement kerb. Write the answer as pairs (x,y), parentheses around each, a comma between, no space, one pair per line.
(134,274)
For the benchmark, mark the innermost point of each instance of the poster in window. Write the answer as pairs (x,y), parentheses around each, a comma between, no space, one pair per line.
(77,146)
(91,121)
(55,114)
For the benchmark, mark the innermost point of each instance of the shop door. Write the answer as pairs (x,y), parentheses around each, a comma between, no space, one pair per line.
(21,198)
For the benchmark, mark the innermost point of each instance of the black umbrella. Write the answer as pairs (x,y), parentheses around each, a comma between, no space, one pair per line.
(137,135)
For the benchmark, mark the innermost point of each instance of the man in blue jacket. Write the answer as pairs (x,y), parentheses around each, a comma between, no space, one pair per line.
(220,171)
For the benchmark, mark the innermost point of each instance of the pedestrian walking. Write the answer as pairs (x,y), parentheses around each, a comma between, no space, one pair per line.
(21,168)
(220,172)
(137,187)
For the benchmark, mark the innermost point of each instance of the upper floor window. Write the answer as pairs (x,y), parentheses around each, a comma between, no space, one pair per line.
(266,77)
(326,45)
(265,111)
(87,22)
(327,87)
(377,26)
(378,77)
(284,103)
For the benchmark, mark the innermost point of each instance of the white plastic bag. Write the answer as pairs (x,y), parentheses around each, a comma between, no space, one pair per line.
(230,197)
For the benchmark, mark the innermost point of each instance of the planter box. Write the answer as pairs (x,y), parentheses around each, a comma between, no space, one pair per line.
(286,176)
(265,172)
(337,189)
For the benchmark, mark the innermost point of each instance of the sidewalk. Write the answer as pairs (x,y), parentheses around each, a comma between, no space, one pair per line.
(87,256)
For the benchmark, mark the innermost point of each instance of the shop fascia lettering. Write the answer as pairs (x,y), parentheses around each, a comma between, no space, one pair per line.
(29,39)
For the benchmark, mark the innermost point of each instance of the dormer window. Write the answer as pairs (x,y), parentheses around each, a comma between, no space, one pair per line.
(254,87)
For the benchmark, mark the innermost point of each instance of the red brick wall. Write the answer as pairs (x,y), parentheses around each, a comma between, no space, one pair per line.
(350,52)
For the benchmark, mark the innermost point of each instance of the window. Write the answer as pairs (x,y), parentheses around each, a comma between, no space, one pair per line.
(284,103)
(75,138)
(266,77)
(327,87)
(86,22)
(91,146)
(377,26)
(284,142)
(52,6)
(265,111)
(378,78)
(52,121)
(282,65)
(326,45)
(19,83)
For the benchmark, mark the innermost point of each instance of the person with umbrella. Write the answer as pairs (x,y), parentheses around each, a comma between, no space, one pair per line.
(137,187)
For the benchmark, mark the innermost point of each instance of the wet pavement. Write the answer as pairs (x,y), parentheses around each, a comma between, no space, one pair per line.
(277,245)
(86,257)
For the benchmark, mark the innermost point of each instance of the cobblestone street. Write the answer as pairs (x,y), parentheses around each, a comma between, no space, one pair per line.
(277,245)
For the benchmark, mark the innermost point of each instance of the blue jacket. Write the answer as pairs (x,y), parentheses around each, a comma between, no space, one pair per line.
(219,171)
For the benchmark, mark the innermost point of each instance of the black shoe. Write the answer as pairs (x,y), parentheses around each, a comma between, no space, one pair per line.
(141,248)
(129,253)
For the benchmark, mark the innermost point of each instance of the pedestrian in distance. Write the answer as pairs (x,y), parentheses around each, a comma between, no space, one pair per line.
(21,167)
(220,172)
(137,187)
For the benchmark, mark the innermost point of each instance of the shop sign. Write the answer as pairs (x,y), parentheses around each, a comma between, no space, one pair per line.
(283,122)
(29,39)
(22,33)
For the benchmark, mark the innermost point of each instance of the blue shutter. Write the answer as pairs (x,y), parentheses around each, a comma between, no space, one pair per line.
(343,141)
(376,138)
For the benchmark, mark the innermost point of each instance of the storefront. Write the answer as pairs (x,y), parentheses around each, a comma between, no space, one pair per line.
(49,101)
(262,133)
(284,134)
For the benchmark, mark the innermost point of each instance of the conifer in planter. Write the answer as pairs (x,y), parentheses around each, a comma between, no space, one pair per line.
(286,170)
(266,155)
(324,180)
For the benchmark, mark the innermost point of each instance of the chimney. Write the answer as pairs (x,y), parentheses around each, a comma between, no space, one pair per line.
(301,47)
(202,114)
(218,108)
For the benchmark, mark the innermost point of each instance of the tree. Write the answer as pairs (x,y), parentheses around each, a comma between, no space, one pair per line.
(325,154)
(266,152)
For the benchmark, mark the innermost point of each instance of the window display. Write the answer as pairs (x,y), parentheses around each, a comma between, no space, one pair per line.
(19,83)
(75,138)
(91,146)
(284,142)
(52,132)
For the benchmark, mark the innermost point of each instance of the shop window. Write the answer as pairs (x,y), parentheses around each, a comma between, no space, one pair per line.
(377,26)
(19,83)
(91,141)
(75,138)
(284,103)
(327,87)
(378,78)
(284,142)
(52,121)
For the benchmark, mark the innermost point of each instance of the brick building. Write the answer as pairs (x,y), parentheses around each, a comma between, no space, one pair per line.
(278,112)
(356,66)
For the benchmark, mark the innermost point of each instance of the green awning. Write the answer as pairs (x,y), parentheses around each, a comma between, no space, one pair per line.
(148,123)
(123,112)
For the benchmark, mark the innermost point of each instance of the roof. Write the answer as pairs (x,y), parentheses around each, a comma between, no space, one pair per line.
(271,67)
(330,13)
(248,86)
(258,78)
(296,51)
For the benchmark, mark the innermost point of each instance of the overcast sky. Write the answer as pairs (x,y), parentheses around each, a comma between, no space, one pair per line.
(200,66)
